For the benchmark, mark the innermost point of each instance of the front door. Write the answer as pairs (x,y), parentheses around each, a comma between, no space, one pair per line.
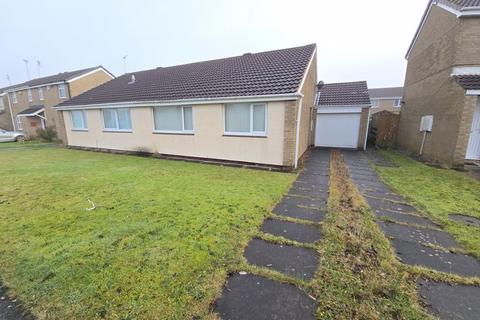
(473,149)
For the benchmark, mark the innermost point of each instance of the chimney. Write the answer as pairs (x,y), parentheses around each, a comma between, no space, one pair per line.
(132,81)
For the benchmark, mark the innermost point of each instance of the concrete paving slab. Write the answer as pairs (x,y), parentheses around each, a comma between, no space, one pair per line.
(293,231)
(450,301)
(249,297)
(296,212)
(296,262)
(11,309)
(304,202)
(316,196)
(405,218)
(465,219)
(418,235)
(416,254)
(390,205)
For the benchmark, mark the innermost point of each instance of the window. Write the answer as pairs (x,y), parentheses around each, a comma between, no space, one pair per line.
(173,119)
(40,94)
(19,123)
(117,119)
(14,97)
(2,106)
(29,93)
(62,93)
(397,103)
(245,118)
(78,120)
(375,103)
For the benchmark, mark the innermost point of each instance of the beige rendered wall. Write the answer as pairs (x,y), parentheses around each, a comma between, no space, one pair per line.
(445,42)
(385,105)
(208,141)
(86,83)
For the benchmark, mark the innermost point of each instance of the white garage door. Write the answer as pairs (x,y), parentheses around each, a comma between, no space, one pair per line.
(339,130)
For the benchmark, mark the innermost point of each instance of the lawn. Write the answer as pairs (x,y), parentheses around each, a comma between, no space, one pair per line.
(159,245)
(437,193)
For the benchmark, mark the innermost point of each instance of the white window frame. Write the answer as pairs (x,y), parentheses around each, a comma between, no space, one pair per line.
(378,103)
(84,120)
(30,95)
(64,91)
(399,102)
(40,94)
(183,131)
(251,132)
(2,105)
(14,97)
(116,121)
(19,123)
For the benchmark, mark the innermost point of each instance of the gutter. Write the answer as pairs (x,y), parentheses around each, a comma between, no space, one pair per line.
(202,101)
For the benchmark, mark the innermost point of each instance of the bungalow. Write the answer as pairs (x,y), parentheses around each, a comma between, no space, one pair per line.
(440,118)
(252,109)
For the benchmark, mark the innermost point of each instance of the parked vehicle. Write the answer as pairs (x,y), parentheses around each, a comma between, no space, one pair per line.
(8,136)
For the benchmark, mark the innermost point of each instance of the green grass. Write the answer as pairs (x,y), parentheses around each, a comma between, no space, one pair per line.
(437,193)
(159,245)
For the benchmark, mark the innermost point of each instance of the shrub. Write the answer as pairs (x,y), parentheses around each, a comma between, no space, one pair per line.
(49,134)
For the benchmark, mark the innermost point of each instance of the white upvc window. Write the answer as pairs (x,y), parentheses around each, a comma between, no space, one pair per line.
(79,121)
(62,91)
(14,97)
(397,103)
(173,119)
(29,93)
(2,105)
(19,123)
(117,120)
(40,94)
(375,103)
(246,119)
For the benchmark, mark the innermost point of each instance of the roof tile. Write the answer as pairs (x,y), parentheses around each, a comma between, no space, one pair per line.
(344,94)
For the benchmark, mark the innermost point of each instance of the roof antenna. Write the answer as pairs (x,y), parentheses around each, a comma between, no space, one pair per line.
(132,81)
(39,64)
(26,65)
(8,79)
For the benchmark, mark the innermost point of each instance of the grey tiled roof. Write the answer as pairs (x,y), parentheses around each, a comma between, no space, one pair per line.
(386,92)
(468,82)
(461,4)
(344,94)
(267,73)
(31,110)
(61,77)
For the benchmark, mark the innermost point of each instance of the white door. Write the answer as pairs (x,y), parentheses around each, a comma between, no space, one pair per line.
(473,149)
(337,130)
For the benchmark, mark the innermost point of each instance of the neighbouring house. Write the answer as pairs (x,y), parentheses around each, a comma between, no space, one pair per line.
(342,115)
(386,99)
(255,108)
(440,118)
(28,106)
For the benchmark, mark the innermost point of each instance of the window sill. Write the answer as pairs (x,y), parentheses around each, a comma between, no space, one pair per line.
(117,131)
(245,135)
(181,133)
(80,130)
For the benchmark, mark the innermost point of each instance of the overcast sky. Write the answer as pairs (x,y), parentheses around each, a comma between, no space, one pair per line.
(357,40)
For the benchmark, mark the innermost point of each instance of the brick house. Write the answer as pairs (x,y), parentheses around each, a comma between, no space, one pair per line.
(29,106)
(253,109)
(442,85)
(386,99)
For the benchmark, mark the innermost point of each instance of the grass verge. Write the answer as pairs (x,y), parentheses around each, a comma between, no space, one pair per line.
(437,193)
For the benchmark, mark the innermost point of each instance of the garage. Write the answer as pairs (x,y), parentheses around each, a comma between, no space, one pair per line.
(342,115)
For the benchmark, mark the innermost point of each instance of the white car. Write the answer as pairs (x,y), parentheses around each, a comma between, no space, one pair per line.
(7,136)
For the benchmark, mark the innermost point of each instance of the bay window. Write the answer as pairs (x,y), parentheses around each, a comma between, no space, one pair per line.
(117,119)
(246,119)
(173,119)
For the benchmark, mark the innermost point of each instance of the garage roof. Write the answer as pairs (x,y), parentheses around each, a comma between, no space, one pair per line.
(343,94)
(268,73)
